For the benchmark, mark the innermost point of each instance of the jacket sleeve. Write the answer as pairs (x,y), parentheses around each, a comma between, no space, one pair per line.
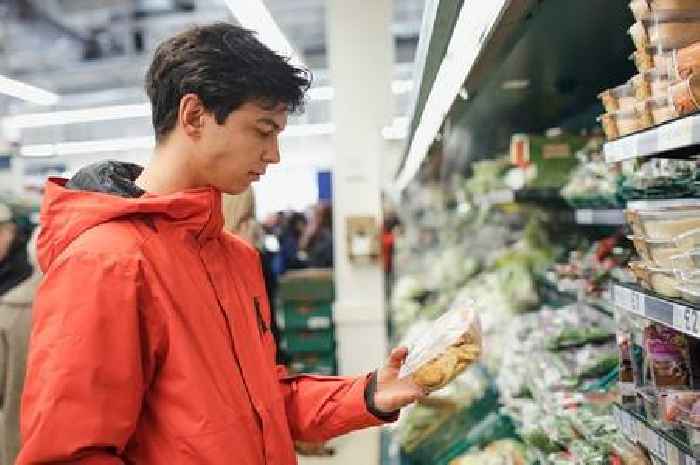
(323,407)
(90,361)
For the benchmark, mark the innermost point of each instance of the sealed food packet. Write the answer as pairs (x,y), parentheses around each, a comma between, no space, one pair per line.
(450,345)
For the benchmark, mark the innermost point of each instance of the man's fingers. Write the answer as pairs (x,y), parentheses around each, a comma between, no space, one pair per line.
(397,357)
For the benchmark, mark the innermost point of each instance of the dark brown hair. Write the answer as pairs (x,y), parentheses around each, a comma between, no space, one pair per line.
(226,66)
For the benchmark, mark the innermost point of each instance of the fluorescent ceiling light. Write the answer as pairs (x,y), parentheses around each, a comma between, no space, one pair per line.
(136,143)
(398,87)
(253,14)
(87,147)
(26,92)
(57,118)
(471,32)
(143,110)
(516,84)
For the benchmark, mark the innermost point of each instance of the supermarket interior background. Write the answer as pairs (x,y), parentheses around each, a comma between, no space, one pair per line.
(508,188)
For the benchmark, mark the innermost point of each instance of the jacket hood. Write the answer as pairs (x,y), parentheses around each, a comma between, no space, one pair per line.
(105,192)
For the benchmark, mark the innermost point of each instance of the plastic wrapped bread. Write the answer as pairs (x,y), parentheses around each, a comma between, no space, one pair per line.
(446,349)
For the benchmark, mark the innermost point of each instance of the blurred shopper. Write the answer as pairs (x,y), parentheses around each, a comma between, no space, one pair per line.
(151,339)
(290,237)
(318,240)
(19,278)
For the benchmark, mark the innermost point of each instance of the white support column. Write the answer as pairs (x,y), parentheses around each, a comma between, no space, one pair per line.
(361,55)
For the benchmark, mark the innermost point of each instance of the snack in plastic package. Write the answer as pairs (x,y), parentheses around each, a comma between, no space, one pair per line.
(452,344)
(668,356)
(681,405)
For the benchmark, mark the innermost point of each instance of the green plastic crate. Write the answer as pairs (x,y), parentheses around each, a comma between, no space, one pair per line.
(322,363)
(297,341)
(307,315)
(311,285)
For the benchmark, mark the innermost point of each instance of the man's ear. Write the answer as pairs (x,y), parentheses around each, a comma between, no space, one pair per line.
(191,115)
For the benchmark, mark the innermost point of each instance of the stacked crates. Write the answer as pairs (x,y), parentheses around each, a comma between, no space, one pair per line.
(306,320)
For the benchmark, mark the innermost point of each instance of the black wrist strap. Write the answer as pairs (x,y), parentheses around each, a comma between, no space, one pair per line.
(370,391)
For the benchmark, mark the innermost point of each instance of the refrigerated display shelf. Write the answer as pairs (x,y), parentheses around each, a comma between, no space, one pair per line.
(664,446)
(682,316)
(679,138)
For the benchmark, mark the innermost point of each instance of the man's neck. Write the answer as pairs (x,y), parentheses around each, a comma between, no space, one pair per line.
(167,172)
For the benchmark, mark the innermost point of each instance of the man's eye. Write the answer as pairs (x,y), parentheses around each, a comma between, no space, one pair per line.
(264,133)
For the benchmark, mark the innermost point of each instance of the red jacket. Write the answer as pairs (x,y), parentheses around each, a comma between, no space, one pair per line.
(150,343)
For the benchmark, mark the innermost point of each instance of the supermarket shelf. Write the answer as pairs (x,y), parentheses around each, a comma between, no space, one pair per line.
(594,217)
(663,446)
(679,315)
(546,197)
(678,138)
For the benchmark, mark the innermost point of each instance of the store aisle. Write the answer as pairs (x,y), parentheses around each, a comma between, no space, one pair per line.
(349,449)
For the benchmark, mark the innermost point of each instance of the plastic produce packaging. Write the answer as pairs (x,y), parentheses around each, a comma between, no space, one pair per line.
(660,280)
(663,220)
(639,35)
(619,98)
(685,95)
(642,9)
(659,253)
(668,356)
(643,60)
(685,62)
(688,261)
(662,109)
(452,344)
(689,292)
(672,30)
(609,123)
(646,117)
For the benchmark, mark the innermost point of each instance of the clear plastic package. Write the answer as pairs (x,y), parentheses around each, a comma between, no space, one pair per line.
(642,86)
(642,9)
(685,62)
(688,241)
(646,117)
(662,109)
(639,35)
(685,95)
(654,400)
(609,123)
(627,122)
(643,60)
(619,98)
(660,253)
(452,344)
(668,357)
(688,261)
(679,404)
(669,29)
(660,280)
(689,292)
(663,220)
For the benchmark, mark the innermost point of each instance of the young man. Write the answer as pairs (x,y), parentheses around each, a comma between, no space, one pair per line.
(151,341)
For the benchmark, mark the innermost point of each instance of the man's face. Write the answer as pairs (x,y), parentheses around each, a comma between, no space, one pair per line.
(7,235)
(233,155)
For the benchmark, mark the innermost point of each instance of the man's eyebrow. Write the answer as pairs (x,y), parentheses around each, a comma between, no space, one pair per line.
(270,122)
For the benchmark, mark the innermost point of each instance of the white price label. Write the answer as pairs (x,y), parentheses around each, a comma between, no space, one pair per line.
(630,147)
(584,216)
(677,134)
(689,317)
(687,460)
(660,447)
(622,297)
(612,151)
(318,322)
(637,303)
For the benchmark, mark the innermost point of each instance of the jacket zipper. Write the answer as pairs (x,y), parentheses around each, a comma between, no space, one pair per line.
(262,326)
